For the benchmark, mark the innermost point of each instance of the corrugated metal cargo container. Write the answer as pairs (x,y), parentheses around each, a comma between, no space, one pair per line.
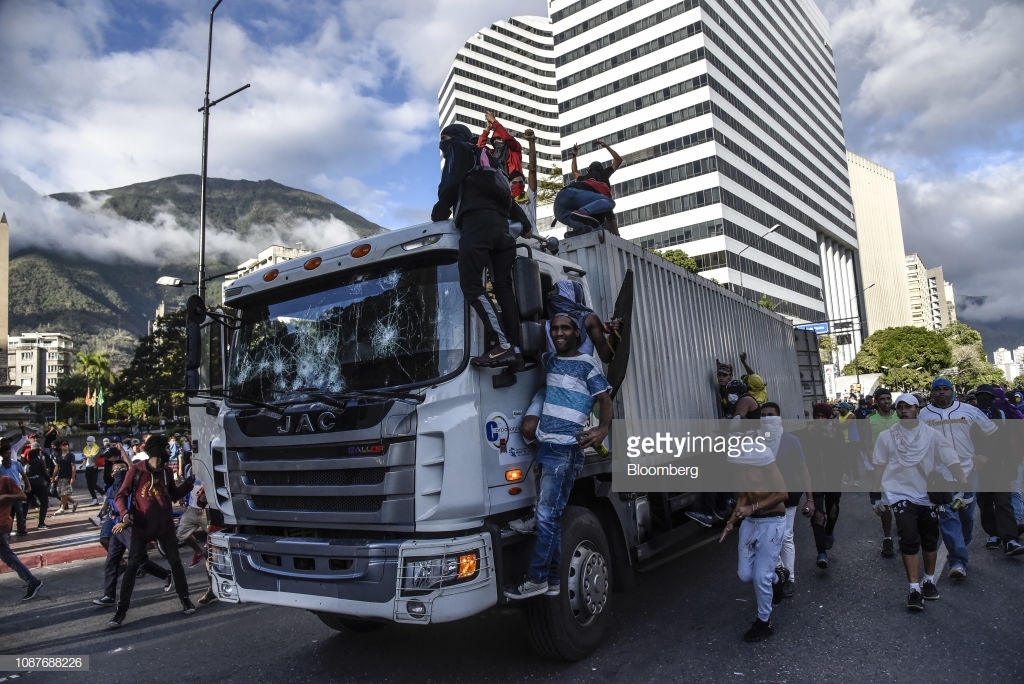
(681,324)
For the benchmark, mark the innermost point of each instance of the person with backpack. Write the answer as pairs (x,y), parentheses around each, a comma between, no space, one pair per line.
(478,191)
(145,506)
(117,544)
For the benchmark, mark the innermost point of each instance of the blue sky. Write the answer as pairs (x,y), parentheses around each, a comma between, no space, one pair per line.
(99,93)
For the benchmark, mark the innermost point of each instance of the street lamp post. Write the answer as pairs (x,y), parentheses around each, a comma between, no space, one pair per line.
(739,253)
(205,109)
(860,328)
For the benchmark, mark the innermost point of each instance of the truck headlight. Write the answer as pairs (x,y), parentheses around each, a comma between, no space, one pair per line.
(423,575)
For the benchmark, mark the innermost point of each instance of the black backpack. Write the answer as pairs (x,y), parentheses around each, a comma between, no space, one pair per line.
(489,176)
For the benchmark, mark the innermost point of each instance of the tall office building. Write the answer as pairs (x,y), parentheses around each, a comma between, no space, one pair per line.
(929,307)
(727,116)
(880,234)
(508,68)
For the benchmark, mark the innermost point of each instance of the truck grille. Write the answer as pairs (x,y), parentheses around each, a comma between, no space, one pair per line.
(314,504)
(315,478)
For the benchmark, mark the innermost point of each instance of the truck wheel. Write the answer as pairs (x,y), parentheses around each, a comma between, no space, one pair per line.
(571,625)
(343,624)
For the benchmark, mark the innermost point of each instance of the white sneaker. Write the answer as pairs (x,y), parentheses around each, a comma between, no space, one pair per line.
(524,525)
(94,503)
(527,589)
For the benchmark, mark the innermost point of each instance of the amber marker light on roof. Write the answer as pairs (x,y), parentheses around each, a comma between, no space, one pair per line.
(312,263)
(271,275)
(360,251)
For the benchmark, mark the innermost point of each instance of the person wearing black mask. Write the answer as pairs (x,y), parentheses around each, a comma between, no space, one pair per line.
(482,212)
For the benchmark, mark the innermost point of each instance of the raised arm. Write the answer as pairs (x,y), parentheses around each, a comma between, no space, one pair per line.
(616,159)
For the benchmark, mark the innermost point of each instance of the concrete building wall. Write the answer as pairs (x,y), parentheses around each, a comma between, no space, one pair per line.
(37,361)
(880,237)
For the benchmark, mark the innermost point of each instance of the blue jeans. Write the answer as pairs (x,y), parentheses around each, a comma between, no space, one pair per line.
(569,200)
(559,466)
(11,559)
(760,541)
(957,527)
(1015,495)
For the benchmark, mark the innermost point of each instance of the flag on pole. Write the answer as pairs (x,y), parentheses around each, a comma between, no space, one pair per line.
(99,396)
(88,396)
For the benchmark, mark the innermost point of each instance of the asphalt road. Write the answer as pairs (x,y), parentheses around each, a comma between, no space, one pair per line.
(684,621)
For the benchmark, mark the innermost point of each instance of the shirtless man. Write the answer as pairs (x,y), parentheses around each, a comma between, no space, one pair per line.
(760,513)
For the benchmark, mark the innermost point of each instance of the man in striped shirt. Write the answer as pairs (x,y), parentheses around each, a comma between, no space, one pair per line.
(574,382)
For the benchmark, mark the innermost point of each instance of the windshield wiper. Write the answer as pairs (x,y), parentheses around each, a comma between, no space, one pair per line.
(340,399)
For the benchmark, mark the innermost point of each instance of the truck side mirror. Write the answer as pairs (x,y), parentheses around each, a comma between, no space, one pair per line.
(195,314)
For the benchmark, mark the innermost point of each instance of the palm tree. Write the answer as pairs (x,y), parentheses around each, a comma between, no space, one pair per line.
(95,367)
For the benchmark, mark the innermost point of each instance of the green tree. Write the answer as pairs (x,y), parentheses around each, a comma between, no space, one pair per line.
(969,358)
(960,334)
(826,348)
(679,258)
(1018,381)
(95,367)
(157,371)
(121,409)
(767,302)
(907,346)
(548,187)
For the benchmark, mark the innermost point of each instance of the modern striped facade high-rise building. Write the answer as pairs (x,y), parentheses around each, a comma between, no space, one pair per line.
(726,113)
(508,68)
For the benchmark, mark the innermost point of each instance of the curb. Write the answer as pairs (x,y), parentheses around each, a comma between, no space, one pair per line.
(71,537)
(35,561)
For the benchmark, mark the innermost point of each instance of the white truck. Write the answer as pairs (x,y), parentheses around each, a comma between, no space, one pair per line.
(358,467)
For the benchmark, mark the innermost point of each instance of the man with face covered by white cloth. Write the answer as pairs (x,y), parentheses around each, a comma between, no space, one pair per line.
(904,455)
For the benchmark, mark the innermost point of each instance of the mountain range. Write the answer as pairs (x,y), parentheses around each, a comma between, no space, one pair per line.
(105,302)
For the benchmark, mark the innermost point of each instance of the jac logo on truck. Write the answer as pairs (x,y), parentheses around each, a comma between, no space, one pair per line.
(307,422)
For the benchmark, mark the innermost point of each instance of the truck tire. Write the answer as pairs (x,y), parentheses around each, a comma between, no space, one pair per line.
(571,625)
(343,624)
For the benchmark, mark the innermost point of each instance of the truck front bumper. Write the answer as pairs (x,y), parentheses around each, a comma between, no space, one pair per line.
(417,581)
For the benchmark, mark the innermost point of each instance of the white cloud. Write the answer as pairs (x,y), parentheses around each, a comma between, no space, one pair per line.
(970,225)
(928,82)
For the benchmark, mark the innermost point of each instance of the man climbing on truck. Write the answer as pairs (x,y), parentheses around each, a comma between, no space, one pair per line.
(482,213)
(574,382)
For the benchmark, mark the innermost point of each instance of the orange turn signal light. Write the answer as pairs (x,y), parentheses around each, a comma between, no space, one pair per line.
(360,251)
(514,475)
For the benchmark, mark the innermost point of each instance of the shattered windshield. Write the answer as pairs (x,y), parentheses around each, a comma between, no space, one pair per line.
(375,328)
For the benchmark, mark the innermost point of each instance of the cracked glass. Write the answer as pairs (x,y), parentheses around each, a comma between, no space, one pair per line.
(386,326)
